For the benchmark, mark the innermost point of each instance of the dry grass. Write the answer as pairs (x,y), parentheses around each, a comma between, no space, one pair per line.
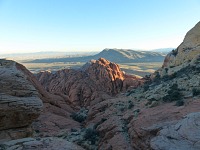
(140,69)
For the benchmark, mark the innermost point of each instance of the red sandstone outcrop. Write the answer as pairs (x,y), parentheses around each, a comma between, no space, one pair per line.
(81,87)
(27,107)
(55,107)
(20,104)
(124,123)
(106,122)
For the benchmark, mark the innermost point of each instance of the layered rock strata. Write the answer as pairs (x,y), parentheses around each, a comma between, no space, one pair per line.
(81,87)
(19,100)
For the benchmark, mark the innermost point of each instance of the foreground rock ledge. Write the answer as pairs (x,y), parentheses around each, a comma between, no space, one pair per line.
(183,135)
(19,101)
(50,143)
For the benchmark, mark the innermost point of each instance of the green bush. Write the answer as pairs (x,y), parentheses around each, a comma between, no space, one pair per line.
(80,116)
(174,52)
(173,94)
(91,135)
(130,105)
(195,92)
(179,103)
(145,87)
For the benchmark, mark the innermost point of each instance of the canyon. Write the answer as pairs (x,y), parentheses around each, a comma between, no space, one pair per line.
(101,107)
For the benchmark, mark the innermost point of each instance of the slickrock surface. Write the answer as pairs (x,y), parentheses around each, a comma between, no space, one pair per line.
(50,143)
(19,101)
(183,135)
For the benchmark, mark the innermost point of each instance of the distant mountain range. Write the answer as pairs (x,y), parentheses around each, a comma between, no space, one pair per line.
(44,55)
(114,55)
(163,50)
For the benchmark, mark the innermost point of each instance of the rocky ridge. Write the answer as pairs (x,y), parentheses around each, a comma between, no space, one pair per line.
(161,114)
(171,93)
(180,73)
(84,86)
(114,55)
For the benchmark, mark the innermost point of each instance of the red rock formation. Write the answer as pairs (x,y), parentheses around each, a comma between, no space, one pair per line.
(56,107)
(80,86)
(120,123)
(21,97)
(20,104)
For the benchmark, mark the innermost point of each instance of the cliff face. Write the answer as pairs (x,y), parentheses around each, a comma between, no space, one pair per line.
(80,87)
(180,68)
(171,94)
(20,104)
(28,110)
(187,51)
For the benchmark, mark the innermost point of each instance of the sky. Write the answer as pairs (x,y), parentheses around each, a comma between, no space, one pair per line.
(92,25)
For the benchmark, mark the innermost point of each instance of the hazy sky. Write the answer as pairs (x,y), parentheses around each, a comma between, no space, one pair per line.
(88,25)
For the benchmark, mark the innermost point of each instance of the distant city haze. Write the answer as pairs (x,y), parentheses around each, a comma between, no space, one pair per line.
(91,25)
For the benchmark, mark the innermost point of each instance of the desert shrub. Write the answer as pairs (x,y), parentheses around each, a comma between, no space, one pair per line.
(157,76)
(166,70)
(166,78)
(91,135)
(174,52)
(3,147)
(179,103)
(171,66)
(157,79)
(145,87)
(195,92)
(80,116)
(174,86)
(173,94)
(172,76)
(152,99)
(130,104)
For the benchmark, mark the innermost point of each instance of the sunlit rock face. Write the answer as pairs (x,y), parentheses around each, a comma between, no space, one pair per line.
(188,50)
(82,86)
(181,67)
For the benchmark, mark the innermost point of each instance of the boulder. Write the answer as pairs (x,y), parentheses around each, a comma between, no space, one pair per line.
(184,135)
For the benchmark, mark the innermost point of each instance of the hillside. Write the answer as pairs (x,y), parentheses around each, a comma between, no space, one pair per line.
(99,107)
(114,55)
